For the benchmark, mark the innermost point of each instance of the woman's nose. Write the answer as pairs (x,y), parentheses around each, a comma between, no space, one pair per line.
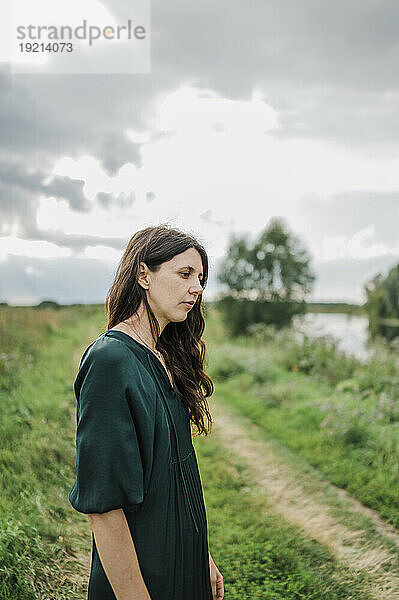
(196,289)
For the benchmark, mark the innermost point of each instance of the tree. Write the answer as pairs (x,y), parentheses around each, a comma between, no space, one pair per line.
(48,304)
(268,281)
(382,304)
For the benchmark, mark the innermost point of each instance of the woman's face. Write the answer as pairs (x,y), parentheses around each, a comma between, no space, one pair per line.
(177,281)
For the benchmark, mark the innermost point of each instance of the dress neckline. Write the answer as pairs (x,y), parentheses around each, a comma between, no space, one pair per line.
(148,351)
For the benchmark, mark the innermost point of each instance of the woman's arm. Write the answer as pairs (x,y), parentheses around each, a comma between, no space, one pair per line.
(216,579)
(118,555)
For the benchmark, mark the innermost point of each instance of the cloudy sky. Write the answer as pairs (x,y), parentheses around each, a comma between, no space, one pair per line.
(249,111)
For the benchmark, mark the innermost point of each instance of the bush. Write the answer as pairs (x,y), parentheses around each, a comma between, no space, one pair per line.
(230,361)
(317,356)
(239,314)
(347,420)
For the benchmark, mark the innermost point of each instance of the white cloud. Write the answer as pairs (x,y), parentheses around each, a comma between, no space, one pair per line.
(222,169)
(129,178)
(190,111)
(85,167)
(53,214)
(358,246)
(31,248)
(361,245)
(103,253)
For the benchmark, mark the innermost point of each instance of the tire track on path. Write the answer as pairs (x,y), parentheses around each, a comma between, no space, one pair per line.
(284,489)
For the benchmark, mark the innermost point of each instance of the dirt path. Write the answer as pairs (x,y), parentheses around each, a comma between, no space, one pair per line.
(306,501)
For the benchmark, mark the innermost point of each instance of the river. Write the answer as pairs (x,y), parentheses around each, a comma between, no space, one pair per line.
(350,331)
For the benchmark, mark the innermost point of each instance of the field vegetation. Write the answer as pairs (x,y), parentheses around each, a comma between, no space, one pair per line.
(336,413)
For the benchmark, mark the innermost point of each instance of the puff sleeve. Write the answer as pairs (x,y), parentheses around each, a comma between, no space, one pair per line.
(109,463)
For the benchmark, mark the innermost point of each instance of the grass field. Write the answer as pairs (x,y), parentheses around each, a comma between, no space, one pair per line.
(342,415)
(44,543)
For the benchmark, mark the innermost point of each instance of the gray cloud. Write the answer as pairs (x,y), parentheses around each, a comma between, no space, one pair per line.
(208,218)
(348,212)
(45,117)
(150,196)
(326,67)
(69,189)
(109,200)
(30,280)
(17,177)
(28,127)
(20,190)
(17,207)
(77,243)
(344,279)
(330,69)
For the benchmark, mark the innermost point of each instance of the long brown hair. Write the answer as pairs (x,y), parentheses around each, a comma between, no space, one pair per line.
(180,343)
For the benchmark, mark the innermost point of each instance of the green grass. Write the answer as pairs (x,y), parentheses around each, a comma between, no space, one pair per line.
(37,525)
(258,553)
(339,414)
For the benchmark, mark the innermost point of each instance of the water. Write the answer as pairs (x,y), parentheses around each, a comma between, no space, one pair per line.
(350,331)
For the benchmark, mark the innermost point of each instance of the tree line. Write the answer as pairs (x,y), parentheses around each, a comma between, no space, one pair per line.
(268,280)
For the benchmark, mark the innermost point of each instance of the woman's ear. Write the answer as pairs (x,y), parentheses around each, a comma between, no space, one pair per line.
(143,276)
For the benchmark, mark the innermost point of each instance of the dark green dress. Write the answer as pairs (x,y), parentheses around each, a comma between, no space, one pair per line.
(134,451)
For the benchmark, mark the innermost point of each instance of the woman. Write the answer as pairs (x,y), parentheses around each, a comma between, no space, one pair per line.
(139,389)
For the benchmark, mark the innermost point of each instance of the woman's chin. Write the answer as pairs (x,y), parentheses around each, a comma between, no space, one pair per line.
(182,316)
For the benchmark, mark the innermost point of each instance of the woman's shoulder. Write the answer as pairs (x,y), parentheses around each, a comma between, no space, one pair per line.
(106,351)
(108,361)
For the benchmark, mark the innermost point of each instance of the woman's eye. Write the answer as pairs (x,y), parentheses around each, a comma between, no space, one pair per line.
(185,273)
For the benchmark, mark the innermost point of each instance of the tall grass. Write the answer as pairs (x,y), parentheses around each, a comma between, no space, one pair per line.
(260,556)
(258,553)
(37,418)
(342,414)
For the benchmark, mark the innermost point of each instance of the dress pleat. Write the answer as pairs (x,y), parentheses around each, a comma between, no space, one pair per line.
(134,451)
